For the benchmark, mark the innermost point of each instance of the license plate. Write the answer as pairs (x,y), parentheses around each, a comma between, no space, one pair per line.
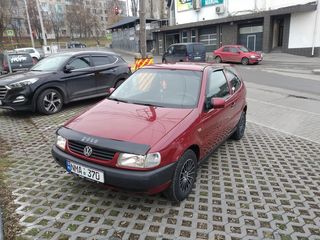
(85,172)
(197,58)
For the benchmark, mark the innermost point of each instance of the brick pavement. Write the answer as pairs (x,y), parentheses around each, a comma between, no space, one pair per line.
(266,186)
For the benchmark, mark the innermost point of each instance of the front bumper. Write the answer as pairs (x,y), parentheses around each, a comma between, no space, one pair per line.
(12,101)
(140,181)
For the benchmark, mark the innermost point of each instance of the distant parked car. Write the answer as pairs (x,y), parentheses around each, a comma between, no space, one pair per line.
(76,45)
(153,132)
(185,52)
(35,54)
(237,53)
(18,62)
(63,78)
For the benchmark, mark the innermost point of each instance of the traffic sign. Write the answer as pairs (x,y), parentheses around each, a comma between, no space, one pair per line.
(10,33)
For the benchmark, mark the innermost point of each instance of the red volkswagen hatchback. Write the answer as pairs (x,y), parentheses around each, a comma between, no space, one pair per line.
(237,53)
(153,131)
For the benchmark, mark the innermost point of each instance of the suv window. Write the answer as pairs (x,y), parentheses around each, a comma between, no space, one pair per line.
(226,49)
(81,62)
(217,85)
(170,50)
(234,80)
(180,49)
(103,60)
(198,48)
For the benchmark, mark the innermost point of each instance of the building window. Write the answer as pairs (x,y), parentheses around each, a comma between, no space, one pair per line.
(209,40)
(193,36)
(184,37)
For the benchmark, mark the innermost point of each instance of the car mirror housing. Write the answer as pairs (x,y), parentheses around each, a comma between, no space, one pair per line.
(218,102)
(68,68)
(110,90)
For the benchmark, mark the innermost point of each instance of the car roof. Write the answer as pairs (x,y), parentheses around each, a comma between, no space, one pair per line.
(24,48)
(77,53)
(188,66)
(232,46)
(188,43)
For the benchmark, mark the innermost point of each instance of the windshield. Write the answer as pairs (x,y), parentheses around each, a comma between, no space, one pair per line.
(53,63)
(244,49)
(161,87)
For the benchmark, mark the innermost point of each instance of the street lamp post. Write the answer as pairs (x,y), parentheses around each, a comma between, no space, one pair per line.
(41,23)
(29,24)
(143,47)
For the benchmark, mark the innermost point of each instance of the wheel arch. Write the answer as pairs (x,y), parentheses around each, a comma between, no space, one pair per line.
(196,149)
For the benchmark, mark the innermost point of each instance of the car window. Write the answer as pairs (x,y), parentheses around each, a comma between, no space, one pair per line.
(226,49)
(170,50)
(81,62)
(234,80)
(198,48)
(103,60)
(217,85)
(234,50)
(180,49)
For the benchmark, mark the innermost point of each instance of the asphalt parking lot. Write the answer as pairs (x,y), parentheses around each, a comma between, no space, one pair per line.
(266,186)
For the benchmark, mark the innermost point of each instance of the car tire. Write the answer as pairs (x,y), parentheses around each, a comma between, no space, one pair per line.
(49,101)
(184,177)
(118,83)
(244,61)
(218,59)
(241,126)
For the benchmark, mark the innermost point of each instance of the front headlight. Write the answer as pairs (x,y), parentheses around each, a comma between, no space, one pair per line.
(253,56)
(139,161)
(61,142)
(23,83)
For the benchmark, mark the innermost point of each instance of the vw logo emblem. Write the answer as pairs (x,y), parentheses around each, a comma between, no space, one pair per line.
(87,151)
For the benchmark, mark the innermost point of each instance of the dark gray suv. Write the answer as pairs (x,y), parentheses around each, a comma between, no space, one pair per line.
(185,52)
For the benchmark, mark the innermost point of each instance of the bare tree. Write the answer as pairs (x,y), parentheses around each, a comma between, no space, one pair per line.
(112,16)
(134,7)
(5,17)
(56,20)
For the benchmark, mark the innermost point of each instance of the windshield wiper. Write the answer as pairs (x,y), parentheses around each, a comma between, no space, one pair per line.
(147,104)
(118,100)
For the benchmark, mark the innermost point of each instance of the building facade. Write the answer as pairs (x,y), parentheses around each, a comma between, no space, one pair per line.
(290,26)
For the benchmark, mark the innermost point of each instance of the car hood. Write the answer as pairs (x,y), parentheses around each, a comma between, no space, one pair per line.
(16,77)
(128,122)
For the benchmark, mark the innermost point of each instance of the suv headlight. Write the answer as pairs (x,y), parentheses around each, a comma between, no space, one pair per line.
(23,83)
(139,161)
(61,142)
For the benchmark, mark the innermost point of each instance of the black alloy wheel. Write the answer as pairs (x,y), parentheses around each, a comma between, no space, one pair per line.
(49,102)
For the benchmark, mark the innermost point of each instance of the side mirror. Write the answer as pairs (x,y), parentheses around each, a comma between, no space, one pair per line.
(218,102)
(68,68)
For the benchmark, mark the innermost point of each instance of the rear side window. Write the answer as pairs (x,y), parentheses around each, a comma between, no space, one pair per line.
(180,49)
(198,48)
(234,50)
(226,49)
(234,80)
(103,60)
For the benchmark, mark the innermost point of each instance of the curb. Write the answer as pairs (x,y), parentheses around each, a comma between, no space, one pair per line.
(1,226)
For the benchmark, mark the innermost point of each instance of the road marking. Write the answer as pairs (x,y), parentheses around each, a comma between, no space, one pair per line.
(285,107)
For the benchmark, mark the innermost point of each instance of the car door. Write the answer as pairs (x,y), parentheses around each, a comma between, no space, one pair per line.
(236,98)
(169,54)
(80,80)
(225,54)
(180,53)
(235,55)
(214,121)
(106,71)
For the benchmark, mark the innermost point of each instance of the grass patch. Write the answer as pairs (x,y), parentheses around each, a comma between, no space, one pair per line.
(10,218)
